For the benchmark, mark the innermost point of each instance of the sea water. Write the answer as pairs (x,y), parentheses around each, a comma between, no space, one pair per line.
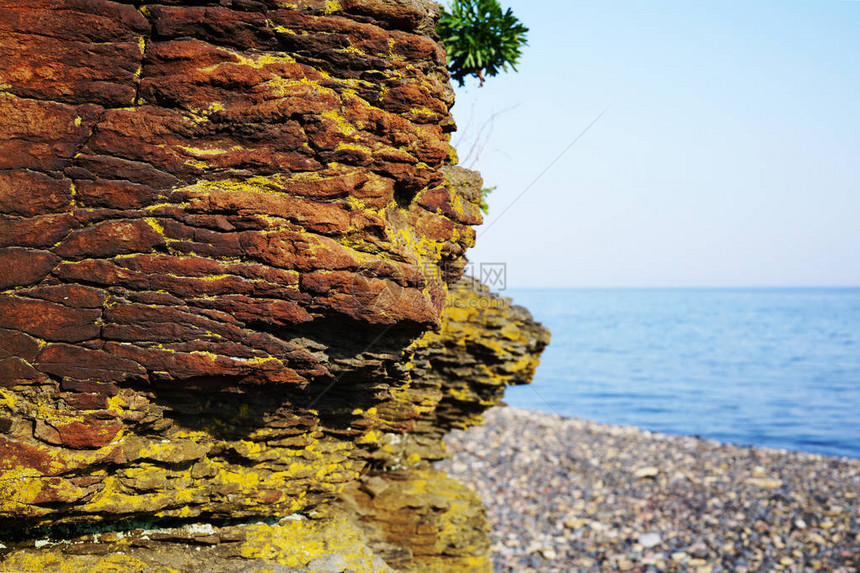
(765,367)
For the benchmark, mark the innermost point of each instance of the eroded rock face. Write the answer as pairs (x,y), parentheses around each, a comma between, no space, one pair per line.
(437,524)
(397,512)
(226,229)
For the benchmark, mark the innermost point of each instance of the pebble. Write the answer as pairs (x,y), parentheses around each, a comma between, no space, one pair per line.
(647,472)
(548,553)
(561,496)
(650,540)
(698,550)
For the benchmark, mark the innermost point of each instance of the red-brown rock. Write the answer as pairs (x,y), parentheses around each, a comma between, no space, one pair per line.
(223,225)
(76,296)
(40,135)
(30,193)
(92,433)
(22,267)
(111,238)
(15,371)
(48,320)
(65,360)
(41,231)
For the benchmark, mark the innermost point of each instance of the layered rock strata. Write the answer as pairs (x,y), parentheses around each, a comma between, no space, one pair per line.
(227,232)
(415,516)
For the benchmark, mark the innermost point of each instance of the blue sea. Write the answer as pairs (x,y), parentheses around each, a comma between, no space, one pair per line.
(765,367)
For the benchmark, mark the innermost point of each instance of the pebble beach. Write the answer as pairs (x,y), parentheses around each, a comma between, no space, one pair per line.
(572,495)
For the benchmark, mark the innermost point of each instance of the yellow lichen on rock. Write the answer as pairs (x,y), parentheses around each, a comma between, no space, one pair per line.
(61,563)
(226,232)
(300,542)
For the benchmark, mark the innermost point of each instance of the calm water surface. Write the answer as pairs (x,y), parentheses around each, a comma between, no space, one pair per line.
(768,367)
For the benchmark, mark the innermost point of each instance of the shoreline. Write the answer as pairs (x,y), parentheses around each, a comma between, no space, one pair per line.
(662,434)
(570,494)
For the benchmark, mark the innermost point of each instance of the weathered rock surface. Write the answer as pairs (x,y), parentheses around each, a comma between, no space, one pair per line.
(227,235)
(484,345)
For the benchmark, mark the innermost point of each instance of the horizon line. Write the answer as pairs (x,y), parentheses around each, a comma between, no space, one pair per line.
(682,287)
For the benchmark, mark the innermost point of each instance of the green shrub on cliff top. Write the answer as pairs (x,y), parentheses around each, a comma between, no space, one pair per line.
(480,38)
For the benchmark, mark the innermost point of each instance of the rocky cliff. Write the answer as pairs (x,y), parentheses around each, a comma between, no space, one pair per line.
(228,338)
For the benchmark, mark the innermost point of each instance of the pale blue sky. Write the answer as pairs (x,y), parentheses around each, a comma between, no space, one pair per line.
(729,154)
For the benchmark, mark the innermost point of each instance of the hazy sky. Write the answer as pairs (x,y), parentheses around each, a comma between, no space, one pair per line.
(729,154)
